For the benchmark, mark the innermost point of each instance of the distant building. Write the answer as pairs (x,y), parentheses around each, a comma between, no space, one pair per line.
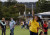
(44,15)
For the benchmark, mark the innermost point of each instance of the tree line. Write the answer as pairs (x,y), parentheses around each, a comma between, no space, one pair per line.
(12,8)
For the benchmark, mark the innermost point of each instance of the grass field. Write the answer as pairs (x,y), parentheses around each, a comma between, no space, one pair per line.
(19,31)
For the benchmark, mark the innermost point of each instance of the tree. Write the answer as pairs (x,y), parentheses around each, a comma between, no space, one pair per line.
(21,8)
(8,10)
(42,1)
(42,6)
(9,0)
(0,10)
(5,12)
(28,10)
(14,1)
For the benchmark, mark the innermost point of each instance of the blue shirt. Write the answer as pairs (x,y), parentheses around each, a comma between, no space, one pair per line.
(12,23)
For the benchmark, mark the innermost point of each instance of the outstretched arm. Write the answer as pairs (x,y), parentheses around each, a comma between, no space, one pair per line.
(2,22)
(30,23)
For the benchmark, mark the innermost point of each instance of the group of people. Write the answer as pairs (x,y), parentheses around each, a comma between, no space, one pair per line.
(34,26)
(3,26)
(24,24)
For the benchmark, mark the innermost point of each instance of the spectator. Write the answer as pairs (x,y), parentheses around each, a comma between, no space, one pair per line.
(22,24)
(3,26)
(12,25)
(45,27)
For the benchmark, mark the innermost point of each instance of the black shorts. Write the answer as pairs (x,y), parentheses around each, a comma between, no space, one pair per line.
(45,32)
(32,33)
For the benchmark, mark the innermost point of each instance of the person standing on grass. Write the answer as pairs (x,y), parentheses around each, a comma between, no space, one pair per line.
(34,25)
(45,27)
(3,26)
(12,25)
(22,24)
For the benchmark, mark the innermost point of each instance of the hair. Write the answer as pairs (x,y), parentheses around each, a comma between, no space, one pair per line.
(39,19)
(45,21)
(35,16)
(3,18)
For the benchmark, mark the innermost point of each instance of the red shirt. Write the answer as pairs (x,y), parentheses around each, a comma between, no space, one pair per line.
(45,26)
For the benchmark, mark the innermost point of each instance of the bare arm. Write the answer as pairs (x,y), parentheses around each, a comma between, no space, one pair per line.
(30,23)
(3,24)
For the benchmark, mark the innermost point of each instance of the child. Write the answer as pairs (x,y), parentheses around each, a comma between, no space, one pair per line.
(45,27)
(22,24)
(41,33)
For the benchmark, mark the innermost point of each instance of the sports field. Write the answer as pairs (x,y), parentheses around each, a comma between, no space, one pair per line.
(19,31)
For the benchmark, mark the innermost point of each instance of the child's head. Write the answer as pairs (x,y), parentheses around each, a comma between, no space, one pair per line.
(41,33)
(36,18)
(45,22)
(3,19)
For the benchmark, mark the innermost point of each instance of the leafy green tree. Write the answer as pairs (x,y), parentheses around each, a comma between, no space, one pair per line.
(21,8)
(12,9)
(42,6)
(9,0)
(29,10)
(5,12)
(0,10)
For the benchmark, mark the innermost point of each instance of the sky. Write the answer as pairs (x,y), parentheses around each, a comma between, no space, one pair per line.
(27,0)
(23,0)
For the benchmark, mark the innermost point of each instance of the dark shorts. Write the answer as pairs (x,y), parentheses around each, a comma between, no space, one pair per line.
(3,29)
(32,33)
(45,32)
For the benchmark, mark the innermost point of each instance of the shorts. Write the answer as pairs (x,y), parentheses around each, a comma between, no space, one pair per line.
(32,33)
(45,32)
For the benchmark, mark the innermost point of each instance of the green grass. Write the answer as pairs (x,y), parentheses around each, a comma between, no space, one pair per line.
(19,31)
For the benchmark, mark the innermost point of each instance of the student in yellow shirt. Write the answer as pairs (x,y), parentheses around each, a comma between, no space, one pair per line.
(34,25)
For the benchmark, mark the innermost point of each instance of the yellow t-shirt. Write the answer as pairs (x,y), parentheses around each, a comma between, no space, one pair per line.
(33,26)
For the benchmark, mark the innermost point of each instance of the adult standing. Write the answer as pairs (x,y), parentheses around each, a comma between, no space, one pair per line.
(3,26)
(34,25)
(12,25)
